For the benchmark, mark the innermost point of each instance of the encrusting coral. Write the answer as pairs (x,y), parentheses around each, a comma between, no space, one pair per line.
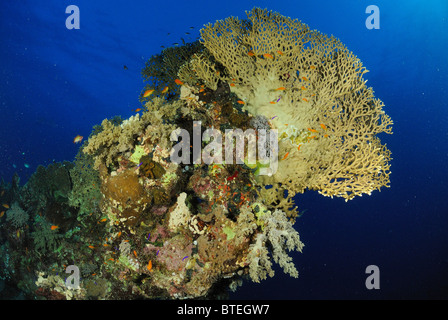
(140,224)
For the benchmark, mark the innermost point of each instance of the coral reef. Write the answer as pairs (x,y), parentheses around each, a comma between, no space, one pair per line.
(158,206)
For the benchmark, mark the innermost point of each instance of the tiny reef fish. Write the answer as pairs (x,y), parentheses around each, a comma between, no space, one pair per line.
(268,56)
(286,155)
(279,52)
(241,102)
(165,90)
(149,266)
(54,227)
(148,93)
(5,205)
(138,109)
(177,81)
(280,89)
(77,139)
(323,126)
(251,53)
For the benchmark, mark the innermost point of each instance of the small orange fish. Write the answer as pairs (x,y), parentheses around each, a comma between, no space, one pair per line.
(54,227)
(280,89)
(280,53)
(312,130)
(298,149)
(111,259)
(119,234)
(303,88)
(91,247)
(232,84)
(135,253)
(177,81)
(325,135)
(273,102)
(312,137)
(149,266)
(103,220)
(6,206)
(304,79)
(77,139)
(148,93)
(2,213)
(165,90)
(305,99)
(286,155)
(323,126)
(268,56)
(241,102)
(138,109)
(313,67)
(105,244)
(251,53)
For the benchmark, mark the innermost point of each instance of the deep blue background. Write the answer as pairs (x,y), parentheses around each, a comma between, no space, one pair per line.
(56,83)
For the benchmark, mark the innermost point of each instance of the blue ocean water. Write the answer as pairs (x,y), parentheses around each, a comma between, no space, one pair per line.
(57,83)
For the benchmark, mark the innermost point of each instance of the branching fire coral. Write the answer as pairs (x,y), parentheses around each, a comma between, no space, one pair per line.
(311,88)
